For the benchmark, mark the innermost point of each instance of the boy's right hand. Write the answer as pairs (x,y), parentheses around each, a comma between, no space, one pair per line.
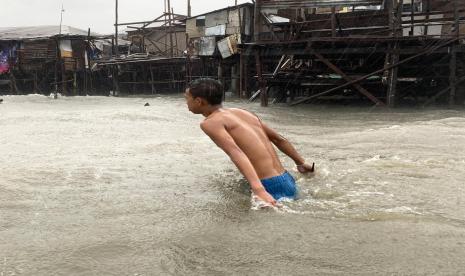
(265,196)
(306,168)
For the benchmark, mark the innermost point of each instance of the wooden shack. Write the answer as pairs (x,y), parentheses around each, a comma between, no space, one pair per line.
(388,52)
(47,59)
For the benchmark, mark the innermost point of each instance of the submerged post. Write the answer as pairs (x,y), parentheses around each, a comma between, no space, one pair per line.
(453,59)
(395,18)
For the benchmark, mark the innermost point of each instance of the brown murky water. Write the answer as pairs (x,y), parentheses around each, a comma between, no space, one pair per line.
(106,186)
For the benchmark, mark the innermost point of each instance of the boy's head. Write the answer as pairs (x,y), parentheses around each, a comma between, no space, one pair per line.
(203,92)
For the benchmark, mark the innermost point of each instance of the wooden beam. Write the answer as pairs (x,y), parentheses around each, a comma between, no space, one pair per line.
(440,93)
(347,78)
(374,73)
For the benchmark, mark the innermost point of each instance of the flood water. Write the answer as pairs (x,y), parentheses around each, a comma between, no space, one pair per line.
(106,186)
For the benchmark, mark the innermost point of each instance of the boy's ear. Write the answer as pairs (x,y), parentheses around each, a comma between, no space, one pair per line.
(197,100)
(201,101)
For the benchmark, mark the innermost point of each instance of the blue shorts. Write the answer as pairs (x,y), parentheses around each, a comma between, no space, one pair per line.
(280,186)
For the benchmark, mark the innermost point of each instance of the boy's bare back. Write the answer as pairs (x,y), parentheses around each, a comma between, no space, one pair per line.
(250,135)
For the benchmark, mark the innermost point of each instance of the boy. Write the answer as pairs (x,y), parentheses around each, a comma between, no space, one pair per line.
(247,141)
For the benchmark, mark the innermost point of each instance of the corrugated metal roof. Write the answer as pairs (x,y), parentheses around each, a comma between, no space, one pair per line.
(222,9)
(316,3)
(22,33)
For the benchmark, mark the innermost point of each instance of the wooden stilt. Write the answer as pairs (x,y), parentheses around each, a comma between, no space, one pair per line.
(74,83)
(395,18)
(452,75)
(64,86)
(245,79)
(152,80)
(220,76)
(115,80)
(392,77)
(428,10)
(134,79)
(261,81)
(35,88)
(13,87)
(241,75)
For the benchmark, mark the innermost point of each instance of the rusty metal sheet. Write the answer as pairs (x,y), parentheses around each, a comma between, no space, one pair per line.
(207,46)
(216,18)
(219,30)
(228,46)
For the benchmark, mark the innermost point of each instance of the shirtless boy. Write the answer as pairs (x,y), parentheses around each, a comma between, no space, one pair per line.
(247,141)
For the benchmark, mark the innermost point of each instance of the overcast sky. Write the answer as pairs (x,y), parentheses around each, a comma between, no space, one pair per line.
(99,15)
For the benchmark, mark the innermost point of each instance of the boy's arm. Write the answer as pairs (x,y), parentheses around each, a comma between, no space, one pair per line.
(287,148)
(217,132)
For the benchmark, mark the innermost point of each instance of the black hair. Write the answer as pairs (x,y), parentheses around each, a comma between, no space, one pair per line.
(209,89)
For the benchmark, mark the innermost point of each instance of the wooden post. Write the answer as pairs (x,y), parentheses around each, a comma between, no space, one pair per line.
(261,81)
(134,84)
(116,28)
(456,19)
(170,28)
(13,87)
(144,76)
(333,21)
(257,22)
(74,83)
(412,18)
(35,89)
(188,8)
(90,83)
(244,76)
(220,76)
(115,80)
(85,83)
(396,23)
(428,10)
(64,83)
(453,75)
(152,80)
(235,80)
(87,70)
(392,76)
(241,75)
(57,59)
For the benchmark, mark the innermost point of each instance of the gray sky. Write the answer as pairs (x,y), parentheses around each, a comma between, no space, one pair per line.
(99,15)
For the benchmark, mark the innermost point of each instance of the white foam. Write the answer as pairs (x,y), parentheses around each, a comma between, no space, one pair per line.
(372,159)
(402,210)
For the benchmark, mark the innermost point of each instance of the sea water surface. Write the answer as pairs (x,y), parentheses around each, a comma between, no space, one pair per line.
(106,186)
